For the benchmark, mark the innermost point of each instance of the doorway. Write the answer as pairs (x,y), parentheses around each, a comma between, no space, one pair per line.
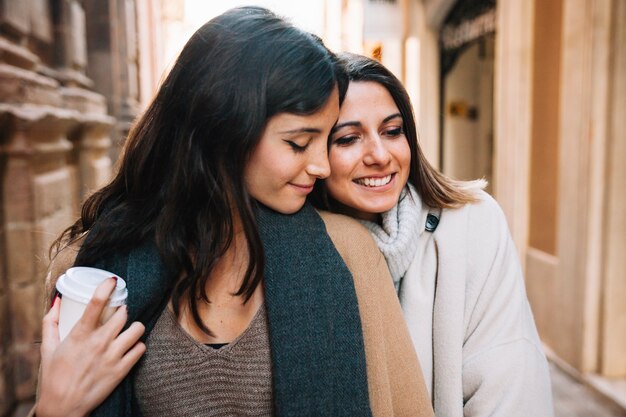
(467,90)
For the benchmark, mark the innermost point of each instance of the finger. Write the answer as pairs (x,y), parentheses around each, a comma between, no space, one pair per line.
(132,357)
(128,338)
(55,309)
(115,323)
(91,317)
(50,329)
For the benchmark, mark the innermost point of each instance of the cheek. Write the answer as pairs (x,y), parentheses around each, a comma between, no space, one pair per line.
(271,174)
(343,162)
(402,154)
(257,173)
(263,165)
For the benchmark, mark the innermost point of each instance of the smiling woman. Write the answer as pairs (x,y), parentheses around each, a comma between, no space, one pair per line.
(448,250)
(369,153)
(290,157)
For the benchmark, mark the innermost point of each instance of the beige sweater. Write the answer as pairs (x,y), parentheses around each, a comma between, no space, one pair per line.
(396,384)
(179,376)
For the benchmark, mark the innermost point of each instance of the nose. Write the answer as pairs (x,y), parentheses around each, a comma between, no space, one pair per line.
(376,153)
(318,165)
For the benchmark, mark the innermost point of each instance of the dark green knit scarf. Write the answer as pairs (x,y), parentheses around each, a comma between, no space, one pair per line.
(318,356)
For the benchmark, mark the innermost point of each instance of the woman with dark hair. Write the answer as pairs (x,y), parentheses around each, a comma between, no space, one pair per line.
(449,251)
(249,306)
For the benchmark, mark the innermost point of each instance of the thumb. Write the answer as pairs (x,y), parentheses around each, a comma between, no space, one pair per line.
(50,339)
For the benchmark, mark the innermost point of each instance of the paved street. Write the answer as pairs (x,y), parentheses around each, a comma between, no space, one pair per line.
(573,399)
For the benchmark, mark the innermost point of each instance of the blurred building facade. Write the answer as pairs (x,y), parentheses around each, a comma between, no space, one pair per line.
(528,94)
(73,74)
(531,96)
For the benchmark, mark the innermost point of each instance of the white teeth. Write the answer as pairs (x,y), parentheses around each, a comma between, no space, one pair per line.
(374,182)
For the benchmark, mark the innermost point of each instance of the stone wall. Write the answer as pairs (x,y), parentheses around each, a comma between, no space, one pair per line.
(55,144)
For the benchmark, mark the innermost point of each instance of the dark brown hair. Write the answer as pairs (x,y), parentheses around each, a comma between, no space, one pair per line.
(181,175)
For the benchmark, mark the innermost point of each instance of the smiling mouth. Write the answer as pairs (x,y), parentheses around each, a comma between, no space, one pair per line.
(305,186)
(374,181)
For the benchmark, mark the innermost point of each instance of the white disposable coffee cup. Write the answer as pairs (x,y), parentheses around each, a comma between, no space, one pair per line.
(77,286)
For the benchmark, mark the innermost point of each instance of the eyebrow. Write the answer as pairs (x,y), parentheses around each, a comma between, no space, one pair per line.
(301,130)
(358,124)
(393,116)
(340,125)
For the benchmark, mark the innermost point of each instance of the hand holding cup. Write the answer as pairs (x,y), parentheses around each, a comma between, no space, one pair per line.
(76,287)
(78,373)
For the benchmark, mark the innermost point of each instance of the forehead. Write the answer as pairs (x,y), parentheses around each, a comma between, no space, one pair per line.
(366,99)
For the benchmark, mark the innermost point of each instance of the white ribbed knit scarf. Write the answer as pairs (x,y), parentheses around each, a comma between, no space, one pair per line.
(398,234)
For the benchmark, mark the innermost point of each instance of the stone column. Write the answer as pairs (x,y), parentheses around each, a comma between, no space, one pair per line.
(613,331)
(37,205)
(21,89)
(512,115)
(113,60)
(583,151)
(423,72)
(91,141)
(150,49)
(41,194)
(53,151)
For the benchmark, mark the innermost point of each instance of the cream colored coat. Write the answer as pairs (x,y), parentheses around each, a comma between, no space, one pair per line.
(464,301)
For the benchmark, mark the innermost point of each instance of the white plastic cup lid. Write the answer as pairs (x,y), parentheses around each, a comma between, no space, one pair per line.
(80,282)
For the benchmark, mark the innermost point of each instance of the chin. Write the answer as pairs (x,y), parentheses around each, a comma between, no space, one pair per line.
(290,209)
(378,208)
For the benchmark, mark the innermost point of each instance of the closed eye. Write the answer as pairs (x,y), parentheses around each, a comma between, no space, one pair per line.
(394,132)
(297,148)
(345,140)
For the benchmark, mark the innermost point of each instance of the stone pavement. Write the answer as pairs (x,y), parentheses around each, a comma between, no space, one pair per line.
(575,399)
